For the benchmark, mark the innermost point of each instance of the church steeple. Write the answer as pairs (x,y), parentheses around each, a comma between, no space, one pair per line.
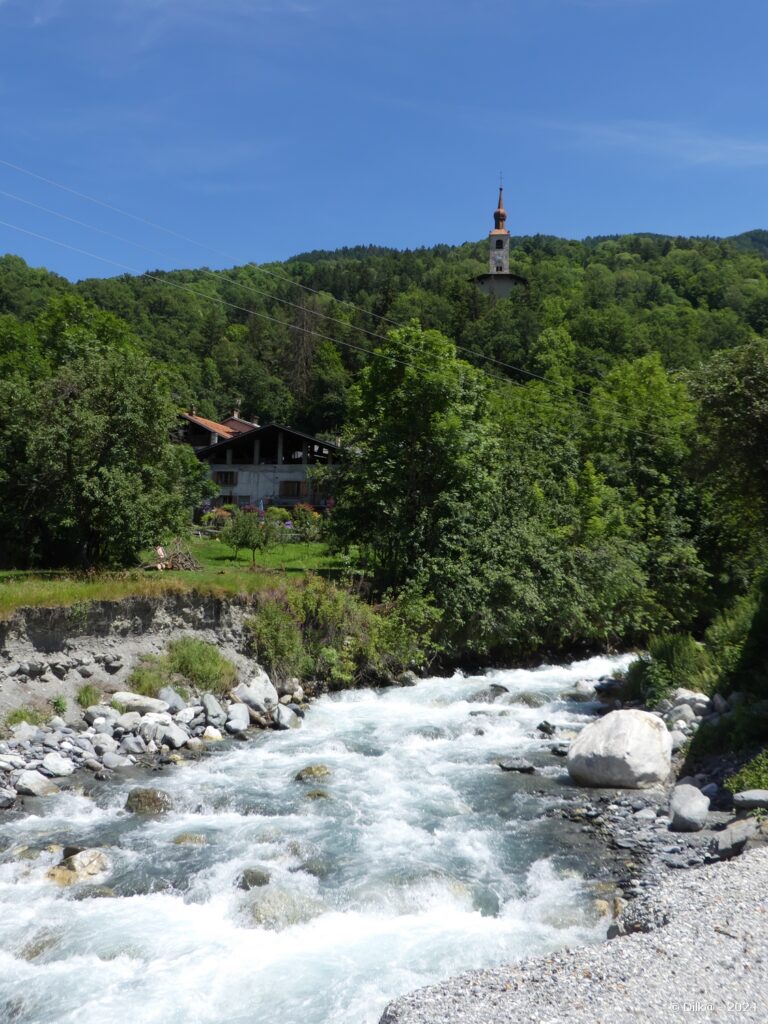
(500,214)
(499,282)
(499,255)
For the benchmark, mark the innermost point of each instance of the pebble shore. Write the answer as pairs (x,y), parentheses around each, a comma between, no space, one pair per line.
(708,963)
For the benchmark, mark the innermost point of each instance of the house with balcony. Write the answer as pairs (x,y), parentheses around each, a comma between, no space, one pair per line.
(269,465)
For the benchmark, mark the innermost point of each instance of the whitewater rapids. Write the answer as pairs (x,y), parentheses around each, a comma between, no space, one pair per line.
(414,859)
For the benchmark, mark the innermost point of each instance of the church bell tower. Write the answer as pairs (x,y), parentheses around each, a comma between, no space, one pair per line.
(499,283)
(499,239)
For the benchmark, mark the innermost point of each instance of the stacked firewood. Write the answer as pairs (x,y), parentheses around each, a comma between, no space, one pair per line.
(177,557)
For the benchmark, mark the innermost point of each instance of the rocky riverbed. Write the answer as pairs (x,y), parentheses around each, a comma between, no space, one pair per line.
(311,860)
(306,874)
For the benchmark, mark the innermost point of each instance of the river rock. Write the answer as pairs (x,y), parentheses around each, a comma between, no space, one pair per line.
(148,801)
(679,739)
(698,702)
(719,704)
(751,799)
(34,783)
(151,732)
(528,700)
(212,734)
(173,699)
(80,867)
(258,693)
(284,718)
(130,721)
(57,766)
(112,760)
(238,719)
(7,797)
(174,736)
(278,909)
(681,713)
(313,771)
(688,809)
(252,878)
(732,840)
(137,702)
(214,713)
(96,711)
(133,745)
(626,749)
(23,732)
(517,764)
(104,744)
(188,715)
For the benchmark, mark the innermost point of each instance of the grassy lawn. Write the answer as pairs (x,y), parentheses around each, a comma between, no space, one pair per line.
(220,575)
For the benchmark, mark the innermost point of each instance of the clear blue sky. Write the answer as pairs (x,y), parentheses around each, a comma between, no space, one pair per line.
(264,128)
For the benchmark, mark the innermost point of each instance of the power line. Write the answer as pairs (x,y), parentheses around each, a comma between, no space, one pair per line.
(283,277)
(244,309)
(163,279)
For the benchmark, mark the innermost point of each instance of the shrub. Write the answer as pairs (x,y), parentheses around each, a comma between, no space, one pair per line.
(407,629)
(87,695)
(202,664)
(320,630)
(31,715)
(726,635)
(277,514)
(306,523)
(217,518)
(277,639)
(753,775)
(673,659)
(148,677)
(59,704)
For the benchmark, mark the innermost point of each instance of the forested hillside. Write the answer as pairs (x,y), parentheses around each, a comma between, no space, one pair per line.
(588,306)
(582,464)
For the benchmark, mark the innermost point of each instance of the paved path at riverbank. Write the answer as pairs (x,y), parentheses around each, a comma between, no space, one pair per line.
(709,964)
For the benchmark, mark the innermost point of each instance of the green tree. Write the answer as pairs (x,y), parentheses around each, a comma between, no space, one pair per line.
(89,472)
(417,485)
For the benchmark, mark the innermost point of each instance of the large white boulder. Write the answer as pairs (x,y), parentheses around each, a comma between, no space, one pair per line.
(624,750)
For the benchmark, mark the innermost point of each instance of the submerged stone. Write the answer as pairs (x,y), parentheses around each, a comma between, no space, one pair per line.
(313,771)
(80,867)
(253,878)
(148,801)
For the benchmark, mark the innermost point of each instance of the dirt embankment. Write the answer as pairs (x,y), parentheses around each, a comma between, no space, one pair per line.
(52,652)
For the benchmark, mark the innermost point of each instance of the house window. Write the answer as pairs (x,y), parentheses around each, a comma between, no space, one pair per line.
(499,243)
(290,488)
(243,499)
(499,268)
(225,477)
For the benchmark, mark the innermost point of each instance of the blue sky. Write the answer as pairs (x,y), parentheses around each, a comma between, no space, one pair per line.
(263,128)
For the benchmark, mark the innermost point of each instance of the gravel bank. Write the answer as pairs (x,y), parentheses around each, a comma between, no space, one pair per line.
(709,963)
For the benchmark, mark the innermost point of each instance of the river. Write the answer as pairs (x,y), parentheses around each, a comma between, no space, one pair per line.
(414,859)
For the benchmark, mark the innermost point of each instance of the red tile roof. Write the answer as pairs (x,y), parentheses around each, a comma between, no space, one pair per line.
(216,428)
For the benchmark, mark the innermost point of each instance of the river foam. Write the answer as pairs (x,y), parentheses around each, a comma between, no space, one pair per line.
(420,859)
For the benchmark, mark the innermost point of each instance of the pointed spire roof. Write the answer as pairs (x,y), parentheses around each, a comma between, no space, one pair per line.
(500,214)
